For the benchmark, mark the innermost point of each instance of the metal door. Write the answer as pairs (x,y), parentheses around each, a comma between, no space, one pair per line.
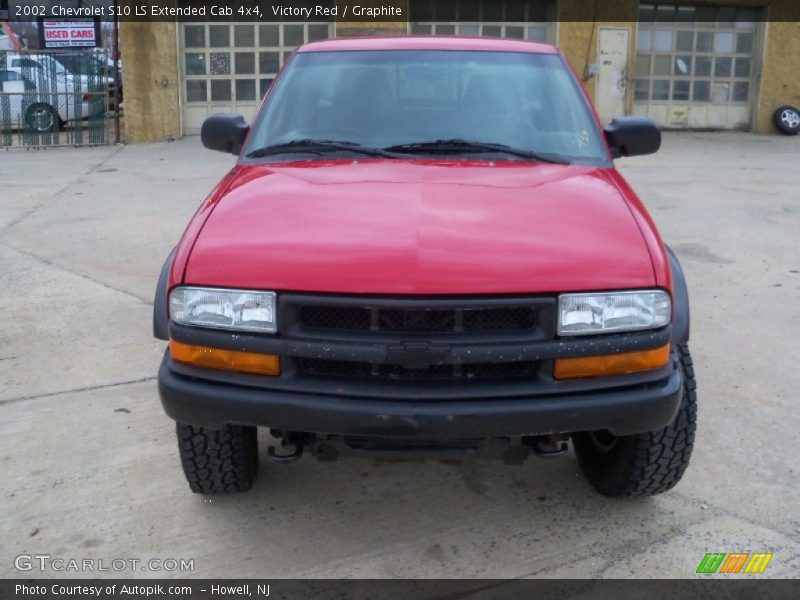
(612,72)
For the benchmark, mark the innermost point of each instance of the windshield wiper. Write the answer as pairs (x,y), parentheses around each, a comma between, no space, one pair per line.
(463,146)
(317,146)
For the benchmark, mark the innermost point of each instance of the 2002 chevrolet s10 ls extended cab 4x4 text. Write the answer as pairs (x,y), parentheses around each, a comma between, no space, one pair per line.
(425,248)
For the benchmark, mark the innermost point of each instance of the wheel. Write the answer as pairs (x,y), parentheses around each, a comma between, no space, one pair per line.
(646,463)
(787,120)
(41,118)
(218,461)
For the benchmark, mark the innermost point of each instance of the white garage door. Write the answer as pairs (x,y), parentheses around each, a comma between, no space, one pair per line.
(697,66)
(228,67)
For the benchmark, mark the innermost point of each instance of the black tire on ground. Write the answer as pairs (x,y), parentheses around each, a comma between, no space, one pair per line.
(42,118)
(787,120)
(647,463)
(218,461)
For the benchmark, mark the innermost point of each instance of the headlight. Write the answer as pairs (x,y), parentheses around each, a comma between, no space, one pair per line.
(614,312)
(241,310)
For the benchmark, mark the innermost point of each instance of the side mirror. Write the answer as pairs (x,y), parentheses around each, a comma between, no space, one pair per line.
(224,132)
(633,136)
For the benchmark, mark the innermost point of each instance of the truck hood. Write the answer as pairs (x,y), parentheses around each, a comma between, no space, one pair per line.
(421,227)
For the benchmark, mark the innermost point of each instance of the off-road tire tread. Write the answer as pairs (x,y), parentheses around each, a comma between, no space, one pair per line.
(218,461)
(648,463)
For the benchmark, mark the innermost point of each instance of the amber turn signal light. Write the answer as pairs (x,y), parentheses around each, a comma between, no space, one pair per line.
(611,364)
(225,360)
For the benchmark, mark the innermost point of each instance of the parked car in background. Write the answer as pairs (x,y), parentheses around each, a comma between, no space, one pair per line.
(98,67)
(44,95)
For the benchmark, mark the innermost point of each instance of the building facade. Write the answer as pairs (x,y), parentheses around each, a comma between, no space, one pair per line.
(714,64)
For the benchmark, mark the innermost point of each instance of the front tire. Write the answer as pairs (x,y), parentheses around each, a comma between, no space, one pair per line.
(218,461)
(646,463)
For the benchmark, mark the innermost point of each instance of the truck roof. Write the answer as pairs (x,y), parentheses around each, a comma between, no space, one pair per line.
(428,42)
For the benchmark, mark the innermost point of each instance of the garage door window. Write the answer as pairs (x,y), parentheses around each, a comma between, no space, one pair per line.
(695,53)
(229,67)
(532,20)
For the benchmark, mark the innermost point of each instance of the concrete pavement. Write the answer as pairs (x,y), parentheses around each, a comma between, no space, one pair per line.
(89,461)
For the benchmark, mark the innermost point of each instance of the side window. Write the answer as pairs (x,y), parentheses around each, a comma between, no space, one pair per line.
(25,63)
(8,76)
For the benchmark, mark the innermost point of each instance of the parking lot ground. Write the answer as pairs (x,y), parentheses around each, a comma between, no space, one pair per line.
(89,461)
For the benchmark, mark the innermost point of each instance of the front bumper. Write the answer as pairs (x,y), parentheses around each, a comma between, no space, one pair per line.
(623,405)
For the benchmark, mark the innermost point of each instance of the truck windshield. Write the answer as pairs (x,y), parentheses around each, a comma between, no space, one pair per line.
(428,102)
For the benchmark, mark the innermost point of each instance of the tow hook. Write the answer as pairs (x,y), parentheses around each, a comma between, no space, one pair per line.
(297,453)
(550,446)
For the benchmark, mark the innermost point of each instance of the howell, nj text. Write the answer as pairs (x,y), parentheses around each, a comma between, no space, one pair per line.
(238,591)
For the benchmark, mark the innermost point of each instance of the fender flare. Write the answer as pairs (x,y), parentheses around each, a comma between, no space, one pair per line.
(160,311)
(680,301)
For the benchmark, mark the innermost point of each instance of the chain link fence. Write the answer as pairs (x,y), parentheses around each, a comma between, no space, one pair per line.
(56,97)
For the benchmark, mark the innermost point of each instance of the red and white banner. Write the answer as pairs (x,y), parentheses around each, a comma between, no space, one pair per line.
(69,34)
(8,39)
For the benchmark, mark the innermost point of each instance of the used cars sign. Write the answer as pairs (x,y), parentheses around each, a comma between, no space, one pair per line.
(69,34)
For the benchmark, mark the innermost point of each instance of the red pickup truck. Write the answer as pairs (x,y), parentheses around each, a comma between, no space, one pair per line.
(424,249)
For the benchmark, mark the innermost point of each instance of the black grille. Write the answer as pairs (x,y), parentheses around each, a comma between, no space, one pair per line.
(342,368)
(422,321)
(413,339)
(335,317)
(397,320)
(499,319)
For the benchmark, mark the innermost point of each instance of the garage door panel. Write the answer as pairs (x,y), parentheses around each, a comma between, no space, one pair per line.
(698,116)
(717,116)
(678,115)
(248,112)
(739,116)
(194,114)
(659,113)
